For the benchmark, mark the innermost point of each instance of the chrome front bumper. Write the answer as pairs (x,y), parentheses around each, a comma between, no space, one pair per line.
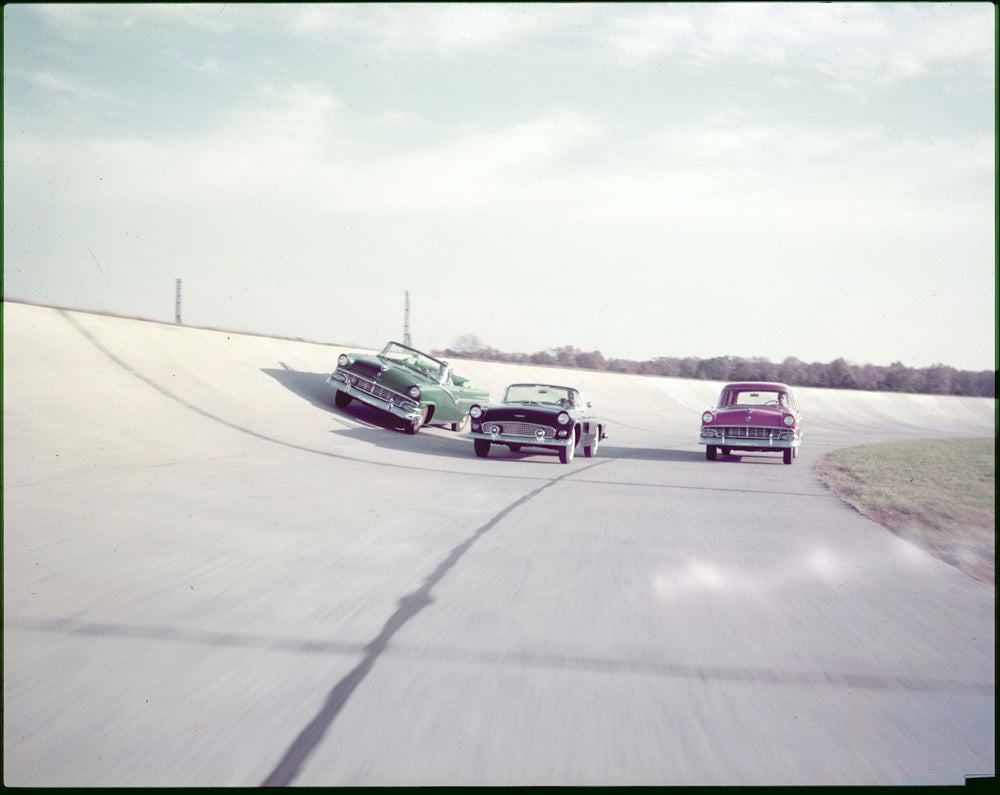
(527,441)
(372,394)
(778,439)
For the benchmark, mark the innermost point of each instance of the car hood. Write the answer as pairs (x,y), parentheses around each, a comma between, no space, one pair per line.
(532,414)
(755,415)
(388,374)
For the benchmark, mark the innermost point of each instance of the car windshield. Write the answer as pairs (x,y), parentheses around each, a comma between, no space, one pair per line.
(542,395)
(413,359)
(732,398)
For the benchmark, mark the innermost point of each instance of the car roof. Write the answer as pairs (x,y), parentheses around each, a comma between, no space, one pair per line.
(764,385)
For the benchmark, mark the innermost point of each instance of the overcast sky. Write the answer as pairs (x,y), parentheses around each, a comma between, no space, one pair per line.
(653,179)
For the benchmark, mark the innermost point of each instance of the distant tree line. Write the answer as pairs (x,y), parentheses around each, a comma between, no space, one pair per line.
(939,379)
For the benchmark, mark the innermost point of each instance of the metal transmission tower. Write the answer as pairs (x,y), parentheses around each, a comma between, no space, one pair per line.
(406,320)
(177,303)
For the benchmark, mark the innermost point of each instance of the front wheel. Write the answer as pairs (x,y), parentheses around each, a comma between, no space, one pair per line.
(590,450)
(710,451)
(566,453)
(342,399)
(787,454)
(416,425)
(482,447)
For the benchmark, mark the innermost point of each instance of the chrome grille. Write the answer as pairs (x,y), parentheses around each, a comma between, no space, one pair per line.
(748,432)
(518,429)
(378,391)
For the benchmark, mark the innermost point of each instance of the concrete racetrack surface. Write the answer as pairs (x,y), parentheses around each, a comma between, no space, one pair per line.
(212,576)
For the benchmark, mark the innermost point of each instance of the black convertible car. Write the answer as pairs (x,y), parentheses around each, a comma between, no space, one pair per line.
(538,415)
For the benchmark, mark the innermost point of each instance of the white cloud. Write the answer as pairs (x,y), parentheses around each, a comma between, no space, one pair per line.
(860,47)
(444,28)
(208,65)
(298,140)
(76,90)
(78,20)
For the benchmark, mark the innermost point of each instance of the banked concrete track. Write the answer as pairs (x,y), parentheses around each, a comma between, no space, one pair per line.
(214,577)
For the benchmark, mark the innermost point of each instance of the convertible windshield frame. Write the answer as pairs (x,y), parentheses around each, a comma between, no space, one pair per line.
(412,359)
(542,395)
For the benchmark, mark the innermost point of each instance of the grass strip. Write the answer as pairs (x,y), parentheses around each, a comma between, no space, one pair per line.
(937,493)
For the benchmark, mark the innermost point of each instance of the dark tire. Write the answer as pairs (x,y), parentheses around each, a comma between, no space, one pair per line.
(787,454)
(342,399)
(482,447)
(460,425)
(514,448)
(566,453)
(710,451)
(590,450)
(416,425)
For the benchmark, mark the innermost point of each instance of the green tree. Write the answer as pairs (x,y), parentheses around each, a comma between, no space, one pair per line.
(467,344)
(714,369)
(899,378)
(793,372)
(937,379)
(840,376)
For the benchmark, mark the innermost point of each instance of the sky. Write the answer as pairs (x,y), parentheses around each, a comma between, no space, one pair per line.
(809,180)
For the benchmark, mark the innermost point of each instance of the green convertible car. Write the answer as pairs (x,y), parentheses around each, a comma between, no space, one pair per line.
(409,385)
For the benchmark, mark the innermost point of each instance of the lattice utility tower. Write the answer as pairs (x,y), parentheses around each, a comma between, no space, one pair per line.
(406,319)
(177,303)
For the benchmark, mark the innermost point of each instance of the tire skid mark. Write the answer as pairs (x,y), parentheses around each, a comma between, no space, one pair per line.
(409,606)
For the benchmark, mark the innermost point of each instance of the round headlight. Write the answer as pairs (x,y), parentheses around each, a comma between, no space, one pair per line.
(562,418)
(707,416)
(789,420)
(342,360)
(414,392)
(475,412)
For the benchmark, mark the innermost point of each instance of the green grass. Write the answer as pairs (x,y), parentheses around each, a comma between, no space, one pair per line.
(937,493)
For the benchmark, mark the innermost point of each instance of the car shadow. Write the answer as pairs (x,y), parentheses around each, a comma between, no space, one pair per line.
(313,388)
(528,455)
(749,458)
(427,441)
(308,386)
(650,453)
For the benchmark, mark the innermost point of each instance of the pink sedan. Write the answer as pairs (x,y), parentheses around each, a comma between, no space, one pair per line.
(753,417)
